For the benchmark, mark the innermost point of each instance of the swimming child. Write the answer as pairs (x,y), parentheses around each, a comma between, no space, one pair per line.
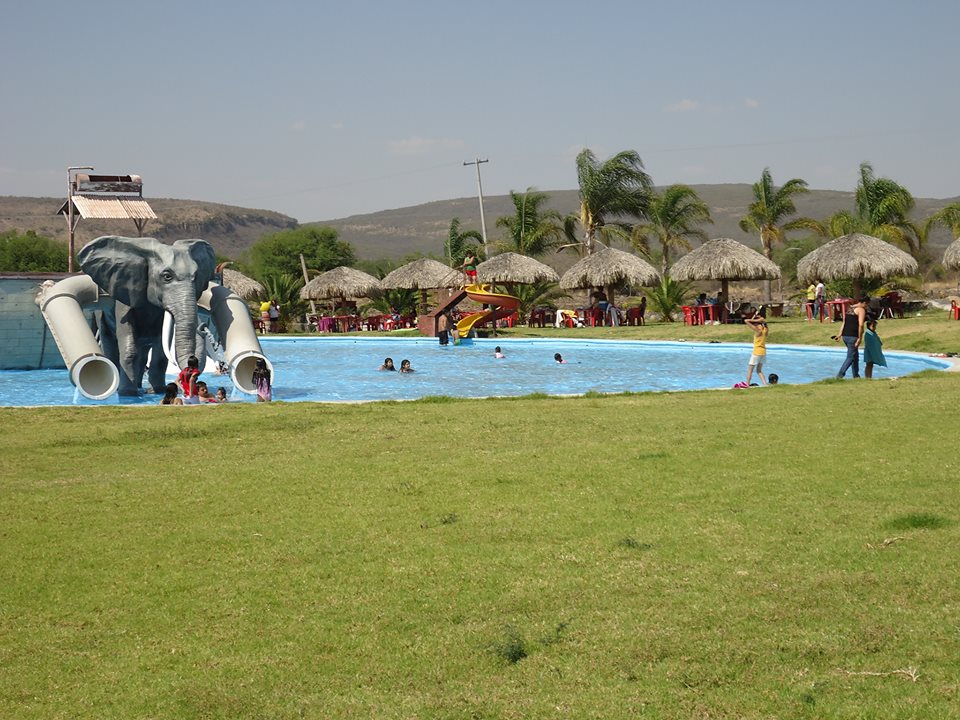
(498,354)
(221,394)
(388,365)
(171,395)
(203,393)
(773,379)
(262,380)
(559,359)
(405,366)
(188,380)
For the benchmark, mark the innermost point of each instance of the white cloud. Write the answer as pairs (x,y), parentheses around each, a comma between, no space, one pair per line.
(683,106)
(751,103)
(422,146)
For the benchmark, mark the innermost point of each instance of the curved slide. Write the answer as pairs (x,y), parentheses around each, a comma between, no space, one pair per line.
(501,305)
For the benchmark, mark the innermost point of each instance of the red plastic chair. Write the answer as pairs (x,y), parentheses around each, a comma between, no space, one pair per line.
(954,310)
(689,316)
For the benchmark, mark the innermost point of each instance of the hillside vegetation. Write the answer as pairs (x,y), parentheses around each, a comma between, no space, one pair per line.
(231,230)
(395,233)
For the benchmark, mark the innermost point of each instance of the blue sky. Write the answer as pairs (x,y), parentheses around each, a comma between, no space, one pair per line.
(321,111)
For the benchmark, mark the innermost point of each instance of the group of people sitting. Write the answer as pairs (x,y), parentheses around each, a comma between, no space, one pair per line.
(196,392)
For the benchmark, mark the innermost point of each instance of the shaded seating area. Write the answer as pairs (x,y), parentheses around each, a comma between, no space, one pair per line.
(891,305)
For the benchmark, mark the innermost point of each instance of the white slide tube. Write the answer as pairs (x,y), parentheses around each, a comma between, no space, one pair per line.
(241,347)
(61,305)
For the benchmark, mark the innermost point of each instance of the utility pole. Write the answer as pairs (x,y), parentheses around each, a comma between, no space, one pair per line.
(71,225)
(483,222)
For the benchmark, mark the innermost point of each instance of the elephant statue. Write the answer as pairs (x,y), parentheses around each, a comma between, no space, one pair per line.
(146,277)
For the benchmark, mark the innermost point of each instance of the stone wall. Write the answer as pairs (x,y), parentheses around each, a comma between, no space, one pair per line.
(24,338)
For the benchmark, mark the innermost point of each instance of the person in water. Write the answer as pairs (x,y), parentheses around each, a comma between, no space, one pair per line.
(188,380)
(203,393)
(171,395)
(262,381)
(558,358)
(498,353)
(221,394)
(388,365)
(405,366)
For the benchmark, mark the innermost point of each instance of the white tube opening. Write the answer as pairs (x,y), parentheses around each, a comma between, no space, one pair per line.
(241,371)
(95,377)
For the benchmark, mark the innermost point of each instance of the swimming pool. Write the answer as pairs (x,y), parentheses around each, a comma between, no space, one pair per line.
(346,369)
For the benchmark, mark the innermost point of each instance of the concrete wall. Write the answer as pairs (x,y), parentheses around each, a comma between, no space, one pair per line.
(25,342)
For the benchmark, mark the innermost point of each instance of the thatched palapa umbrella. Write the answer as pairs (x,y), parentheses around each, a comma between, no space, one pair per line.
(245,287)
(855,257)
(951,256)
(724,259)
(341,282)
(423,274)
(511,268)
(609,269)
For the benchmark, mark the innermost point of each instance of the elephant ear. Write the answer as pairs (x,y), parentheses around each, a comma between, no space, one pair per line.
(120,265)
(201,252)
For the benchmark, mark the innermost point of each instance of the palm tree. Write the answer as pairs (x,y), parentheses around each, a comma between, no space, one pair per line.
(616,187)
(540,294)
(671,220)
(881,209)
(766,213)
(457,245)
(530,230)
(668,297)
(948,217)
(285,289)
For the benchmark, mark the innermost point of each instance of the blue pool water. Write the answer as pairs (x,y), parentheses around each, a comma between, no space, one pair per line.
(346,369)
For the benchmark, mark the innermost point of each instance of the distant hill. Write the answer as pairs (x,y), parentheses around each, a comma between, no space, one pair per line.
(231,230)
(423,228)
(394,234)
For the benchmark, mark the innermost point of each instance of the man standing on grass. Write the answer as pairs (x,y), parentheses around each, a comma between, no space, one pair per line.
(758,324)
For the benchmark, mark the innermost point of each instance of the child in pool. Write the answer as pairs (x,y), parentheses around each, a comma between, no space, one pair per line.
(388,365)
(559,359)
(405,366)
(498,354)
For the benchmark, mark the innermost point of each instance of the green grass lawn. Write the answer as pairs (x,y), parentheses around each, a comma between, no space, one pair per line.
(773,553)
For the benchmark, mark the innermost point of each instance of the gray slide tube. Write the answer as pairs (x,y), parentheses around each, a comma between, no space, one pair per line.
(94,375)
(241,347)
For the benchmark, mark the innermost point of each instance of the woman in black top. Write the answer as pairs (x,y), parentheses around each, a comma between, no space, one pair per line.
(852,335)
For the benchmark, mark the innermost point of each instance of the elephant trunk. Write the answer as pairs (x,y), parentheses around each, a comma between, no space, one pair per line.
(186,341)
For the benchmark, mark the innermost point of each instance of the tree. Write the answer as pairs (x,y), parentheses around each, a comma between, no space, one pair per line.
(531,230)
(457,244)
(882,207)
(279,253)
(948,217)
(539,294)
(31,253)
(671,220)
(769,208)
(615,188)
(285,289)
(668,297)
